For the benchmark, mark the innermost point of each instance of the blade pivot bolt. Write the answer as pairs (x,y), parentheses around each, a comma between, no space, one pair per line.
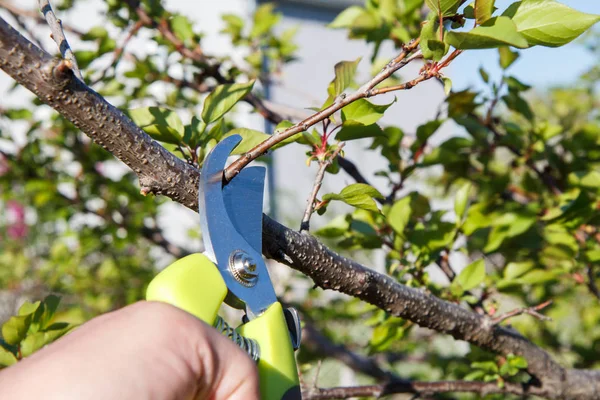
(243,268)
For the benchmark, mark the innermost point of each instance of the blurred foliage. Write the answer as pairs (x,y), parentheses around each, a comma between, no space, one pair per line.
(520,178)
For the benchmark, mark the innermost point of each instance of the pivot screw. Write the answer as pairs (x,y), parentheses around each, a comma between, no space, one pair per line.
(243,268)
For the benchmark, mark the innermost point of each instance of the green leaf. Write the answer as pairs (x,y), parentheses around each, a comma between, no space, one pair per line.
(51,303)
(487,366)
(438,49)
(399,214)
(495,32)
(29,308)
(250,138)
(484,75)
(234,25)
(358,195)
(443,7)
(518,104)
(461,200)
(344,75)
(425,131)
(507,226)
(182,27)
(222,99)
(6,358)
(352,130)
(472,275)
(548,22)
(364,111)
(538,276)
(507,56)
(37,340)
(264,20)
(517,361)
(335,228)
(193,132)
(384,336)
(585,179)
(430,34)
(95,33)
(15,329)
(447,85)
(516,85)
(160,123)
(346,18)
(516,269)
(283,126)
(483,10)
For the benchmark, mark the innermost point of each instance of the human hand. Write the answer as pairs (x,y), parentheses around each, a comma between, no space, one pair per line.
(148,350)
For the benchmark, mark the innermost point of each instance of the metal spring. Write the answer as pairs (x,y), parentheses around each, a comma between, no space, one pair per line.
(250,346)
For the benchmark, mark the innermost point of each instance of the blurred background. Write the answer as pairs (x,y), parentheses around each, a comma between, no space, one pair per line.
(101,251)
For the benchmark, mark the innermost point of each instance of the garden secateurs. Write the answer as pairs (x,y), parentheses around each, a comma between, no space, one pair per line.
(233,271)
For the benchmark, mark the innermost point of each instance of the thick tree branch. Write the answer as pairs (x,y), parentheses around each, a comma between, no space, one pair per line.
(162,173)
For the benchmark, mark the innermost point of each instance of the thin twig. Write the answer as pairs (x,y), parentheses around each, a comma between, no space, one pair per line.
(58,35)
(533,311)
(118,53)
(19,20)
(33,15)
(367,90)
(316,342)
(397,63)
(592,282)
(310,206)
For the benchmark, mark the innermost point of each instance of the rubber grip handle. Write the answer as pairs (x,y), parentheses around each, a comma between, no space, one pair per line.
(194,284)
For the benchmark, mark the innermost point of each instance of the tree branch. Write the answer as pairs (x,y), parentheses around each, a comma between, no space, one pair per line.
(319,343)
(34,15)
(310,203)
(419,388)
(533,311)
(160,172)
(58,35)
(340,102)
(118,53)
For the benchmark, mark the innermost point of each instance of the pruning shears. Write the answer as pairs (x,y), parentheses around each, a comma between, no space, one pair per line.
(232,270)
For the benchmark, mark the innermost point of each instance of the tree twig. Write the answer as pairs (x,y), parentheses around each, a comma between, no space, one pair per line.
(58,35)
(317,342)
(533,311)
(592,281)
(397,63)
(419,388)
(33,15)
(310,203)
(118,53)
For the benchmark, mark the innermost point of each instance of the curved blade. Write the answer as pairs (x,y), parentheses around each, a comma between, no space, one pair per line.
(219,233)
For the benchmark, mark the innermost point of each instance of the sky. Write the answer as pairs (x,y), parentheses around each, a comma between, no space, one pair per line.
(538,66)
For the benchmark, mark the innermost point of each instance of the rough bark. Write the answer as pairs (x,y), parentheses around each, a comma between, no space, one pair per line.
(161,173)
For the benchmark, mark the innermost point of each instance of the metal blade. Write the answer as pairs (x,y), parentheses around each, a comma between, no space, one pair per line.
(243,198)
(221,238)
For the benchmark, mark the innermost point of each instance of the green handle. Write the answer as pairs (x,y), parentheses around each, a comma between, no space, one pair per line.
(194,284)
